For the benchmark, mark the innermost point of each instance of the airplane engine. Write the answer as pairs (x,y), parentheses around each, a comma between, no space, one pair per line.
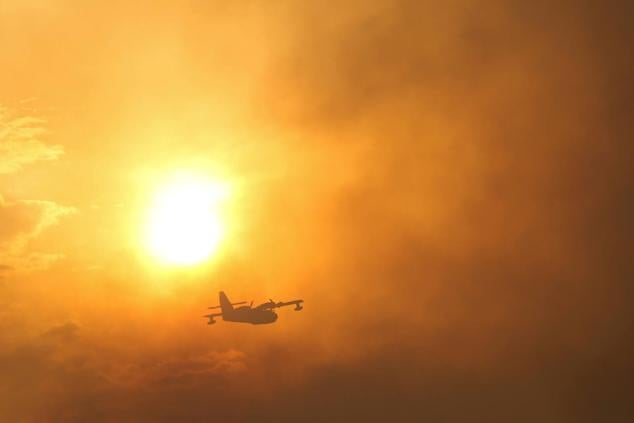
(298,307)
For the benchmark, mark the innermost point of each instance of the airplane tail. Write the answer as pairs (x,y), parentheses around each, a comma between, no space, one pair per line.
(225,304)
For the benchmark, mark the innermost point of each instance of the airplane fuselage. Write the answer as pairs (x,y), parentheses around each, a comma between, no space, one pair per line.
(250,315)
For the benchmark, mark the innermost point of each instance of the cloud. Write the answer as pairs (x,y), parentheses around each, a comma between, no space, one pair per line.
(20,141)
(66,332)
(26,219)
(80,375)
(185,371)
(23,221)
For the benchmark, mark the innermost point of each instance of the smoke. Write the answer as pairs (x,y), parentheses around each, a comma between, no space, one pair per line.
(447,187)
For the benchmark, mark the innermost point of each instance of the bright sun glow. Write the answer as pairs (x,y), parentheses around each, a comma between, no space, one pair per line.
(185,225)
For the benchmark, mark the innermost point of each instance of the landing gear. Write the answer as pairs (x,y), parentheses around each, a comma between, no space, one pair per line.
(298,307)
(211,321)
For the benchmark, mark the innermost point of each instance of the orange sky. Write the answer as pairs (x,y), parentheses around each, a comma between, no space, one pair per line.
(448,187)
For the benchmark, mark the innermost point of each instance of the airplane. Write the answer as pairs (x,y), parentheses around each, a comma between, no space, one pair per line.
(259,315)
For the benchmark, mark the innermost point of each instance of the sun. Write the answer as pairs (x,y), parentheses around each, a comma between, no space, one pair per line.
(185,225)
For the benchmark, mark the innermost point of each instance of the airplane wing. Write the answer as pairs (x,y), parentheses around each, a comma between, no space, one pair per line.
(296,303)
(272,304)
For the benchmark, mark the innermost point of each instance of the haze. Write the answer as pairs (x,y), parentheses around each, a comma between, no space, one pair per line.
(448,186)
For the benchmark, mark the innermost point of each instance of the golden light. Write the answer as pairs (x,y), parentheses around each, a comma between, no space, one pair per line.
(185,224)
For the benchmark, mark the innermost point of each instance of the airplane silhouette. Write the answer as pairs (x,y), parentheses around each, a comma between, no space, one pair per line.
(248,314)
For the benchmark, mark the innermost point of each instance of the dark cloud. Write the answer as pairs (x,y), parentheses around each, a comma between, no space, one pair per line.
(78,376)
(487,231)
(66,332)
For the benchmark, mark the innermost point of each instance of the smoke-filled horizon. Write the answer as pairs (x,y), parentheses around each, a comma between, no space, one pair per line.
(447,187)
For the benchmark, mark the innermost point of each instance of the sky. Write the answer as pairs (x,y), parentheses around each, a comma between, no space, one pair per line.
(448,187)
